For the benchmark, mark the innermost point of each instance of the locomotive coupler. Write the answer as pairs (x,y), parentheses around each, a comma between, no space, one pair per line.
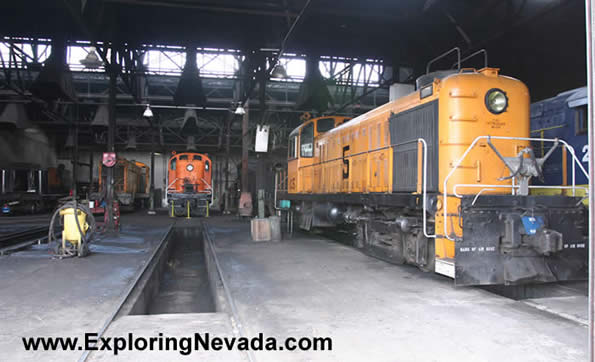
(522,233)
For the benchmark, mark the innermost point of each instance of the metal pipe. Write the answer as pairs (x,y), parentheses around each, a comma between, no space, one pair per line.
(590,18)
(286,37)
(485,58)
(425,188)
(455,49)
(40,180)
(486,187)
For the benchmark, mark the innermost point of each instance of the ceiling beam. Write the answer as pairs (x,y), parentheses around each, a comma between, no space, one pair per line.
(205,7)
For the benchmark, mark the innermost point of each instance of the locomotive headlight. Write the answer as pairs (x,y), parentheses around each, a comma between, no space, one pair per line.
(189,168)
(496,101)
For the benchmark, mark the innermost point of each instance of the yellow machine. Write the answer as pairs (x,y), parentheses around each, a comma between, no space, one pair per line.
(71,233)
(78,228)
(440,178)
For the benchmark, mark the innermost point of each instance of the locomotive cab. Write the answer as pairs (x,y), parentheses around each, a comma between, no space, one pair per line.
(304,149)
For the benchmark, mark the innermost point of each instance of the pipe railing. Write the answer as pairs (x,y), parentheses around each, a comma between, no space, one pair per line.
(512,187)
(425,187)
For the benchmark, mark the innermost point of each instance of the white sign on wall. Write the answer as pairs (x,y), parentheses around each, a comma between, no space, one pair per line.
(262,138)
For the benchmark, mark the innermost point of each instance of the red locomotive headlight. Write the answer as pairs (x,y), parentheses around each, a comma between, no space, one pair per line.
(189,168)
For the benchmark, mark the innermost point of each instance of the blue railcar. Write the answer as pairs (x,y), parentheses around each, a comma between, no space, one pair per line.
(563,116)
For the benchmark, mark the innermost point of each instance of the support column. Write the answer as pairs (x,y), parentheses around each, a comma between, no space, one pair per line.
(75,152)
(245,207)
(111,136)
(90,169)
(590,25)
(152,187)
(226,188)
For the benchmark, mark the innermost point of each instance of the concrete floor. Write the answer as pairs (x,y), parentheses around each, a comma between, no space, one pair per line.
(375,311)
(40,296)
(305,286)
(171,325)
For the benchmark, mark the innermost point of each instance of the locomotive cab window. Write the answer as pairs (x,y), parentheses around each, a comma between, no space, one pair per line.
(307,141)
(292,147)
(183,157)
(173,164)
(197,158)
(324,125)
(581,120)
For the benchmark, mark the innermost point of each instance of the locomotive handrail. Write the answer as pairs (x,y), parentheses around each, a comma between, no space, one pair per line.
(488,187)
(205,181)
(457,49)
(174,181)
(485,58)
(425,189)
(513,187)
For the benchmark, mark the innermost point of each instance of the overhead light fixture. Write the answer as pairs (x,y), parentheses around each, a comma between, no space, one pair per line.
(148,113)
(92,61)
(240,110)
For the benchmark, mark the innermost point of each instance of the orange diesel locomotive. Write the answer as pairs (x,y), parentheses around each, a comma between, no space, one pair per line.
(440,178)
(189,190)
(130,180)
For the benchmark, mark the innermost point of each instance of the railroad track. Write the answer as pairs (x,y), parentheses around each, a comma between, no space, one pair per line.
(18,240)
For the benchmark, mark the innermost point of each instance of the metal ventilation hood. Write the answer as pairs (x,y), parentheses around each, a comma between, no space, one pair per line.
(55,79)
(189,91)
(314,93)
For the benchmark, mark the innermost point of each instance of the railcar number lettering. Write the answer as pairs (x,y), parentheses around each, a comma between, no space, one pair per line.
(477,249)
(575,246)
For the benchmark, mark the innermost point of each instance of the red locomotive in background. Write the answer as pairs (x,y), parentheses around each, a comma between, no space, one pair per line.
(189,185)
